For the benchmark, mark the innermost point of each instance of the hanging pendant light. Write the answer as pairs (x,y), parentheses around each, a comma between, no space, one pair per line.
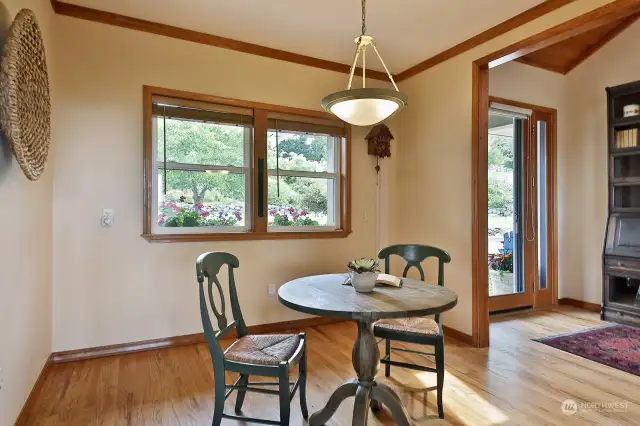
(366,106)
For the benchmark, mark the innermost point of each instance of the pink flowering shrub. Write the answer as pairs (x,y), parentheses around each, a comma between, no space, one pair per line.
(183,214)
(290,216)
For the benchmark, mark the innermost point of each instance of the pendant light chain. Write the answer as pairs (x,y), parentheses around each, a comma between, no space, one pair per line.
(364,17)
(380,103)
(364,50)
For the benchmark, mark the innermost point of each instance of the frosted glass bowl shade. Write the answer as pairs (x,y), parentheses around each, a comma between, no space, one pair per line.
(365,107)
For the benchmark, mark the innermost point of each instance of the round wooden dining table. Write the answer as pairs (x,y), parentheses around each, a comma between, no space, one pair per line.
(326,295)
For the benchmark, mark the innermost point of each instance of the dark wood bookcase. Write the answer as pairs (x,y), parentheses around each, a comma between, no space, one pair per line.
(621,254)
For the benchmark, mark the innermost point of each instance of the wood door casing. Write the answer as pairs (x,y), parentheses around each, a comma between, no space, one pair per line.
(479,95)
(545,297)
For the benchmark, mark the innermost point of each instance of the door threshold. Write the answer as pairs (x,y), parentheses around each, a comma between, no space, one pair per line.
(512,311)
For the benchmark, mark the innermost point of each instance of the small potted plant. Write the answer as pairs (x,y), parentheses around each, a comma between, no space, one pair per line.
(364,273)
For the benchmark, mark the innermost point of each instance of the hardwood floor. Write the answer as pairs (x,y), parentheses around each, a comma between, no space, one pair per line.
(516,381)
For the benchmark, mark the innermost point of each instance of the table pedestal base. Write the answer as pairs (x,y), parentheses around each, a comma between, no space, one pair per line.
(366,361)
(378,392)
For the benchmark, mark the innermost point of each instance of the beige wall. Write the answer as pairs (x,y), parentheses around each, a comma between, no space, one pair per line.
(536,86)
(25,256)
(524,83)
(586,203)
(112,286)
(435,155)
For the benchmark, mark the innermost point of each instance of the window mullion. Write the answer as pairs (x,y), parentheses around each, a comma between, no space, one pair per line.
(345,180)
(260,127)
(171,165)
(305,174)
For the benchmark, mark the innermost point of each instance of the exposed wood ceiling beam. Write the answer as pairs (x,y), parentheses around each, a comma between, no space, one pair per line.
(500,29)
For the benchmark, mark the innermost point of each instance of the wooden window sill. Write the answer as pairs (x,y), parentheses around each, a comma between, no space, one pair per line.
(245,236)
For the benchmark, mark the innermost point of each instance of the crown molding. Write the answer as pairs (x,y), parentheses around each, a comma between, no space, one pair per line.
(475,41)
(95,15)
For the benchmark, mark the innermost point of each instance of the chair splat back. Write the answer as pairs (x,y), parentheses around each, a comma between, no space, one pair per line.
(414,255)
(208,267)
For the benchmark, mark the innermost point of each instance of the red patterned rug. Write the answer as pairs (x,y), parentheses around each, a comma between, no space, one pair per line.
(615,345)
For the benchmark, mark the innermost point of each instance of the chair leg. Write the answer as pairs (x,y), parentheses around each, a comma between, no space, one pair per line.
(303,383)
(285,399)
(244,381)
(439,350)
(218,405)
(387,367)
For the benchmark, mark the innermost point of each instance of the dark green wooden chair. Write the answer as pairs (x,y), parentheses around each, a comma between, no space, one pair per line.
(424,331)
(250,355)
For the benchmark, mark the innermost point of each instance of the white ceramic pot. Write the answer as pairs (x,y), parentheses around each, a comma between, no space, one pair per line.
(364,283)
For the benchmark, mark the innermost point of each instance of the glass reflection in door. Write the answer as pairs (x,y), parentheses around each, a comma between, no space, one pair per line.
(542,203)
(505,186)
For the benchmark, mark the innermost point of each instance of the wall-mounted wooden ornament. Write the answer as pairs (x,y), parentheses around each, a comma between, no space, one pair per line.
(25,105)
(379,143)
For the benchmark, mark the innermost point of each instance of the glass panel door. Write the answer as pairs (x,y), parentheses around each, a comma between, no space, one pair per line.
(542,203)
(505,203)
(521,240)
(543,126)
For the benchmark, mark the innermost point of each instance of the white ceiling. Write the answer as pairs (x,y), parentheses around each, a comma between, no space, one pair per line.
(406,31)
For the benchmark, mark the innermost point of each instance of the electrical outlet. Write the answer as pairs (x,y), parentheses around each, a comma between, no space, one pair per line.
(272,289)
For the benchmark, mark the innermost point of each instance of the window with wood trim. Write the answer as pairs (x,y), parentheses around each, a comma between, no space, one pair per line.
(218,168)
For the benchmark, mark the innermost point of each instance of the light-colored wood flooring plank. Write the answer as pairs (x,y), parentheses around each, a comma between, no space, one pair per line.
(515,382)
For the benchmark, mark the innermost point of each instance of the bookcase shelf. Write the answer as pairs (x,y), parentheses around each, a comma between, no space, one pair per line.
(634,150)
(625,181)
(621,257)
(625,210)
(626,123)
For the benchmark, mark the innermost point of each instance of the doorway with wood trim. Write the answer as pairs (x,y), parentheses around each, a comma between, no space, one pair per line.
(607,15)
(521,199)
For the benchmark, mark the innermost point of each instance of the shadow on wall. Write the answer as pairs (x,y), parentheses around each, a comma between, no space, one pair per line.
(6,155)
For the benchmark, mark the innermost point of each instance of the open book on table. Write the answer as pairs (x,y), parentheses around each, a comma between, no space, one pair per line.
(390,280)
(383,279)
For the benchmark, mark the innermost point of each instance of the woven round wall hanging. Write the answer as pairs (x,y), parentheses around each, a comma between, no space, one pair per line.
(25,105)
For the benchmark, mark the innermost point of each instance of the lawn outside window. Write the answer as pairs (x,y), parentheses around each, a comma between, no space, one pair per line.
(223,169)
